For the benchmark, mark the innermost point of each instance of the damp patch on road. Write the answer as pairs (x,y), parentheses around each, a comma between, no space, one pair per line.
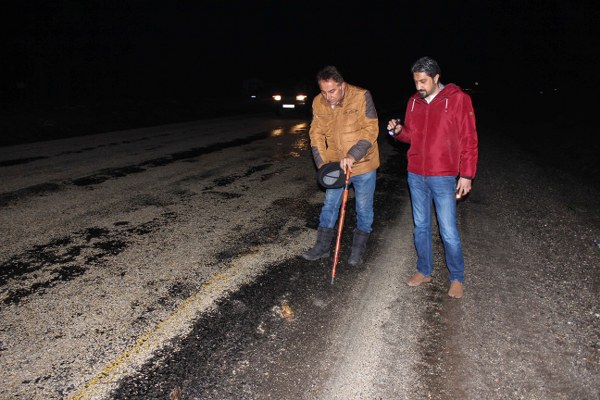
(63,259)
(280,213)
(42,189)
(216,359)
(17,161)
(223,195)
(107,174)
(229,179)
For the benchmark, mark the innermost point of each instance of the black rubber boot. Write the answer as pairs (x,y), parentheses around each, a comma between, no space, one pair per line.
(323,245)
(359,245)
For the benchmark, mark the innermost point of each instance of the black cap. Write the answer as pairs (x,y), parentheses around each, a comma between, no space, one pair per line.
(331,176)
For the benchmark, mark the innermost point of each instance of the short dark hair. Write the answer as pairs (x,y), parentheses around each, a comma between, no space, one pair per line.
(330,73)
(427,65)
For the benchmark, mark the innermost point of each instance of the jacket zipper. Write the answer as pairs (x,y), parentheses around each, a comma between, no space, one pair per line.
(425,134)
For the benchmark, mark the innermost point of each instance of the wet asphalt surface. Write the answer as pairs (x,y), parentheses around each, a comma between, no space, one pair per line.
(249,347)
(81,285)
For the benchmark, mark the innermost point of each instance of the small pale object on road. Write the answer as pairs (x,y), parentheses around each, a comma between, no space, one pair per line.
(286,311)
(175,394)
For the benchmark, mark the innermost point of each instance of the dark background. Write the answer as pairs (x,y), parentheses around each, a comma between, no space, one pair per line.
(85,51)
(79,67)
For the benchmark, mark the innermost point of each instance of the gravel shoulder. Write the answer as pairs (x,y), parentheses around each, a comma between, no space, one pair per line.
(529,324)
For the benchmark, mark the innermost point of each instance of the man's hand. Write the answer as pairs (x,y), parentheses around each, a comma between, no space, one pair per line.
(347,162)
(463,187)
(395,126)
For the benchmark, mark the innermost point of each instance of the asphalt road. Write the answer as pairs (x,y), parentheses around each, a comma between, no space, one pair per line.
(140,262)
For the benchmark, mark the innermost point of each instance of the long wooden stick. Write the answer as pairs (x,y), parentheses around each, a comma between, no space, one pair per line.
(340,225)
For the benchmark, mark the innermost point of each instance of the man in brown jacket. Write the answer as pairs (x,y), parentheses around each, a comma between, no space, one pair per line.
(344,129)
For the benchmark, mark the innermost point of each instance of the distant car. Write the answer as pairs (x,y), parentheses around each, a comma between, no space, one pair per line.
(296,99)
(291,102)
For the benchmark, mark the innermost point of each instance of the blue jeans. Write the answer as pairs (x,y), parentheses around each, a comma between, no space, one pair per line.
(364,189)
(439,190)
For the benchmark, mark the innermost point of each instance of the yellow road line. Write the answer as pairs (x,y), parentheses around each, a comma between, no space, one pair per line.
(143,343)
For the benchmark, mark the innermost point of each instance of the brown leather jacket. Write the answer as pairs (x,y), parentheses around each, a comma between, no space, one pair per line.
(350,128)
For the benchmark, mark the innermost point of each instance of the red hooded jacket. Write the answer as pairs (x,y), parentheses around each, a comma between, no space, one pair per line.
(442,134)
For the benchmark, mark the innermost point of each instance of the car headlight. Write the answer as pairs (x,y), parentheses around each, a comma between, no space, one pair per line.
(277,97)
(301,97)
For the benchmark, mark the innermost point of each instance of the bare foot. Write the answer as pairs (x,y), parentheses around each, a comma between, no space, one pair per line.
(456,290)
(418,279)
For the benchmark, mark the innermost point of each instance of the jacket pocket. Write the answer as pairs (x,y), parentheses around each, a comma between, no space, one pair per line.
(350,121)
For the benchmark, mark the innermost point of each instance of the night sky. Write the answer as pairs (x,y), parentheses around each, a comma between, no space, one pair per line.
(69,52)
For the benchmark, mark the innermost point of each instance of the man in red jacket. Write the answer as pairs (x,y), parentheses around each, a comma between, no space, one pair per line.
(440,127)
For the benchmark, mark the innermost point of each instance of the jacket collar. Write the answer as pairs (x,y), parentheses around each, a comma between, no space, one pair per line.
(447,91)
(440,88)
